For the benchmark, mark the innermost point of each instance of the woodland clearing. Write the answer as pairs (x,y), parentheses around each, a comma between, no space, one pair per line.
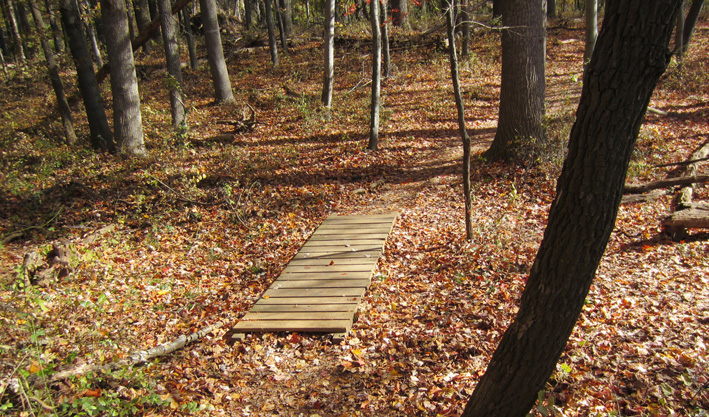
(191,235)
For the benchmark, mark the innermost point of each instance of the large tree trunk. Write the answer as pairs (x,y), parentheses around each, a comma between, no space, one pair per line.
(453,57)
(328,53)
(127,120)
(172,59)
(54,78)
(272,46)
(215,53)
(376,78)
(520,136)
(101,136)
(400,13)
(616,91)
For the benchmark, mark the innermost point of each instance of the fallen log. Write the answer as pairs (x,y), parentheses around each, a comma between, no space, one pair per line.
(642,198)
(696,217)
(137,357)
(653,185)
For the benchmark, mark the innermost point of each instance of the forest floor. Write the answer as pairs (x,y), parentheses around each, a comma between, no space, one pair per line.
(192,235)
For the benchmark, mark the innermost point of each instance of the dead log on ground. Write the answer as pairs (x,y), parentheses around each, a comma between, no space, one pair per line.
(653,185)
(643,198)
(695,217)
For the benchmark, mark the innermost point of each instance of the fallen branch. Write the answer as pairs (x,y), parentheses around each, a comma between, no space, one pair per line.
(653,185)
(642,198)
(138,357)
(695,217)
(688,162)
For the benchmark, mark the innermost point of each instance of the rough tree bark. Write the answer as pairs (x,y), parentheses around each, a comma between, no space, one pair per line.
(376,77)
(56,30)
(328,53)
(215,53)
(17,39)
(520,135)
(127,120)
(691,21)
(616,91)
(172,59)
(54,78)
(100,132)
(453,57)
(386,52)
(187,24)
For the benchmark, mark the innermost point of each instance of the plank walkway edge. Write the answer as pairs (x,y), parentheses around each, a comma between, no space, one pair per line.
(320,289)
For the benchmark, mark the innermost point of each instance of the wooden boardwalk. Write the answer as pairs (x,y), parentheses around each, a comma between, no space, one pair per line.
(323,284)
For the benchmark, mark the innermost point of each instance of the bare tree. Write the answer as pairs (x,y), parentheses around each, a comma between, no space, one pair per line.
(215,53)
(172,58)
(328,53)
(376,77)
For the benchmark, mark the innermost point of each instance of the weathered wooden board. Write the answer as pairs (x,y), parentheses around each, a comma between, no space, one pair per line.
(321,283)
(320,289)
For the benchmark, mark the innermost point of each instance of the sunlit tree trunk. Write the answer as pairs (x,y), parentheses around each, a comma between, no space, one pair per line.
(172,59)
(101,136)
(520,136)
(272,46)
(328,53)
(127,120)
(376,78)
(215,53)
(453,57)
(465,26)
(54,78)
(629,58)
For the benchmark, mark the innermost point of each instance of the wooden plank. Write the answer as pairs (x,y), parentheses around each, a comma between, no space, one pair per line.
(345,243)
(350,226)
(348,236)
(314,292)
(300,301)
(381,230)
(321,283)
(386,218)
(341,249)
(326,275)
(290,269)
(319,326)
(321,259)
(295,315)
(274,308)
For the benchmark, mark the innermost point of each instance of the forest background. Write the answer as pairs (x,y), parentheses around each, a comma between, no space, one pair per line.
(190,235)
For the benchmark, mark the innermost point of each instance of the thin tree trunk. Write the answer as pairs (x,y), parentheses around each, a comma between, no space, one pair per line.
(215,53)
(460,107)
(17,39)
(131,18)
(376,78)
(91,32)
(328,53)
(142,17)
(287,16)
(101,136)
(679,35)
(386,53)
(281,28)
(465,17)
(248,13)
(187,24)
(551,9)
(25,30)
(591,30)
(54,78)
(273,47)
(127,120)
(691,21)
(56,30)
(172,59)
(616,92)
